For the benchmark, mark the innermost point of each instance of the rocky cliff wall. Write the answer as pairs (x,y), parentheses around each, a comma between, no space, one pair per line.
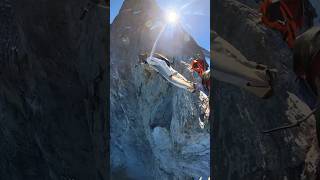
(155,127)
(242,150)
(53,100)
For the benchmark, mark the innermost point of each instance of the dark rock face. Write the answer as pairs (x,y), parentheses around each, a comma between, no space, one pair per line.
(155,131)
(53,97)
(242,151)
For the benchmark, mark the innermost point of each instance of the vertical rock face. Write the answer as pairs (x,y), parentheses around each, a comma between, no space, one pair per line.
(242,150)
(316,6)
(155,131)
(53,90)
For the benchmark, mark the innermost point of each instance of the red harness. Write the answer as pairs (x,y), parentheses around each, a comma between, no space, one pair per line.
(199,66)
(285,16)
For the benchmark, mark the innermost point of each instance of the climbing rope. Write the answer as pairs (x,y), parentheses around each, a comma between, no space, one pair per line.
(294,124)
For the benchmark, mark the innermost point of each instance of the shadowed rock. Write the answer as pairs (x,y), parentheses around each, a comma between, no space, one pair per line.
(53,91)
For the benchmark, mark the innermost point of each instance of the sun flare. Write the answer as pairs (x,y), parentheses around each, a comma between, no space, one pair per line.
(172,17)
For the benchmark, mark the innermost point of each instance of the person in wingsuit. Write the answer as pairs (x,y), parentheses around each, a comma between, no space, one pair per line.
(162,65)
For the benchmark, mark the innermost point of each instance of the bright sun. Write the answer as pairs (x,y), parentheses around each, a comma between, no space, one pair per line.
(172,17)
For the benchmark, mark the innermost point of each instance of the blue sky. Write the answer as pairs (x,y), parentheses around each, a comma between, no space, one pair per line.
(195,16)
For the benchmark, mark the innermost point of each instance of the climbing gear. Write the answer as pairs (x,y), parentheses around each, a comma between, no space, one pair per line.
(296,124)
(285,16)
(199,66)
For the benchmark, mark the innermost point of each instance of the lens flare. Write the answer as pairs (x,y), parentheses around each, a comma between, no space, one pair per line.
(172,17)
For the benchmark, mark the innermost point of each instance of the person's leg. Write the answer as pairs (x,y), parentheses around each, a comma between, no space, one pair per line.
(253,80)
